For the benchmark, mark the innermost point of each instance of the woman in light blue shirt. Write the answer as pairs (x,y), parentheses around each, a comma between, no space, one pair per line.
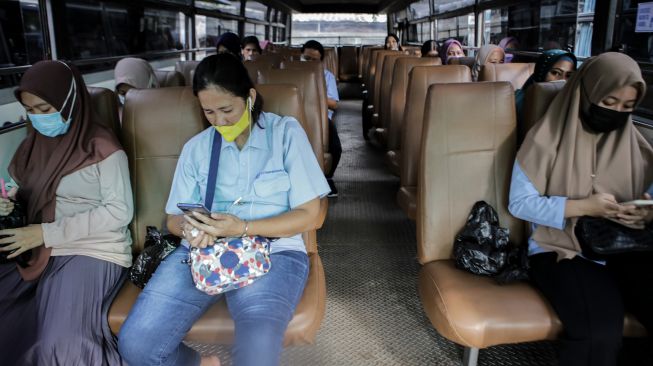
(269,184)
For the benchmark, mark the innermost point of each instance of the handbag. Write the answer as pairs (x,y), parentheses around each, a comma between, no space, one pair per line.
(229,263)
(16,219)
(599,238)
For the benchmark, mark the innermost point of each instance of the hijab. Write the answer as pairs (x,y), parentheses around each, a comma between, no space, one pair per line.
(562,158)
(135,72)
(445,48)
(40,162)
(508,40)
(482,56)
(231,42)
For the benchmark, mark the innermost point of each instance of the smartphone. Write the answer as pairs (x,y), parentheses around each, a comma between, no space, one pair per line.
(188,208)
(638,203)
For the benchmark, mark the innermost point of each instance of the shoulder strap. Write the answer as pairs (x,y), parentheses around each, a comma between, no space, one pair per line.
(213,169)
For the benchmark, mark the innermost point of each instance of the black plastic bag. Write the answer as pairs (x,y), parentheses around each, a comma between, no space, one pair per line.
(483,247)
(16,219)
(157,247)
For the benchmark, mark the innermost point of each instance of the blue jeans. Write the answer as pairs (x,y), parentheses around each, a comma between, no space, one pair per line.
(170,304)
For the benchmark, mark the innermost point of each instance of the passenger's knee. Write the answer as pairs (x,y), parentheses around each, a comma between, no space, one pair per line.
(133,345)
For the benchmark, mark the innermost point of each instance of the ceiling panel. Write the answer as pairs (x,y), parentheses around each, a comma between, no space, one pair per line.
(342,6)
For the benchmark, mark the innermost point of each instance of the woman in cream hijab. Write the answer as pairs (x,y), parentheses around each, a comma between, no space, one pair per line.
(131,73)
(581,159)
(488,54)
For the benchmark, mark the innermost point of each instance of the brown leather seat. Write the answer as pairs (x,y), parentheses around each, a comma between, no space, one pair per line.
(385,87)
(515,73)
(318,69)
(331,60)
(464,161)
(381,57)
(253,68)
(538,98)
(397,103)
(170,78)
(305,80)
(419,80)
(186,68)
(105,105)
(152,164)
(348,63)
(365,64)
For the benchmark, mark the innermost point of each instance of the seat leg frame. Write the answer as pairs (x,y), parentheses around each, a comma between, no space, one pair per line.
(470,356)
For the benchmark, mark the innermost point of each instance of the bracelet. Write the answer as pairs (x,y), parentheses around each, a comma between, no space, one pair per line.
(246,227)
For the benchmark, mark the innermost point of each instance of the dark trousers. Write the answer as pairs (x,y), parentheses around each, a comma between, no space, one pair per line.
(591,299)
(335,148)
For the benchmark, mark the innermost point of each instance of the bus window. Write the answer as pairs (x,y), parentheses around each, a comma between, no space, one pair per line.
(21,39)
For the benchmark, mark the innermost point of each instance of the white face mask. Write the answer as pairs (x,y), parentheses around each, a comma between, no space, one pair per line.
(121,98)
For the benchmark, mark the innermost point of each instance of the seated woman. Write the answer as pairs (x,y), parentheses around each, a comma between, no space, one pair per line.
(488,54)
(392,43)
(73,177)
(552,65)
(581,159)
(271,184)
(229,43)
(251,48)
(451,49)
(131,73)
(430,49)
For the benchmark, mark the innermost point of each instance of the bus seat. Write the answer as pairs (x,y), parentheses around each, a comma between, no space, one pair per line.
(152,162)
(466,60)
(286,100)
(253,68)
(365,64)
(348,63)
(376,83)
(105,105)
(538,98)
(385,88)
(419,80)
(305,80)
(515,73)
(397,102)
(467,156)
(331,60)
(170,78)
(318,68)
(185,68)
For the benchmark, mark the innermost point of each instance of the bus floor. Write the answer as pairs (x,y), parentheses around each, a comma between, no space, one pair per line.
(373,312)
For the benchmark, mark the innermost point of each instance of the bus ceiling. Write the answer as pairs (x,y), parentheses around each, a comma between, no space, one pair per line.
(341,6)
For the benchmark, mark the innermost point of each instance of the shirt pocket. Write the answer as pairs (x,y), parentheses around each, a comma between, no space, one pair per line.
(269,184)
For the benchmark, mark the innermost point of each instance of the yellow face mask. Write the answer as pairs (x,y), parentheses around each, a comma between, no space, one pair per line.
(229,133)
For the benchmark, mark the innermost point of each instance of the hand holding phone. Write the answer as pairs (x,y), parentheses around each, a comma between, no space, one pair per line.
(189,208)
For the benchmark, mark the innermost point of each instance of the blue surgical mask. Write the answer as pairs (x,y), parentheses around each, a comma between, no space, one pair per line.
(53,124)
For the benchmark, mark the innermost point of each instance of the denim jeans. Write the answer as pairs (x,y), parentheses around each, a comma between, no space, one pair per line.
(170,304)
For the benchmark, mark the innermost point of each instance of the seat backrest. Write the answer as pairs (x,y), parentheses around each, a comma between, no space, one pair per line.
(515,73)
(105,105)
(467,156)
(371,69)
(348,63)
(253,68)
(538,98)
(331,60)
(186,68)
(378,73)
(305,81)
(156,123)
(419,81)
(365,62)
(385,88)
(170,78)
(398,92)
(318,69)
(466,60)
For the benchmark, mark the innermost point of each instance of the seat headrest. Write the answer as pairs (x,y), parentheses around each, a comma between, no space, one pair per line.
(466,60)
(537,100)
(155,126)
(516,73)
(105,105)
(283,100)
(169,78)
(467,156)
(186,68)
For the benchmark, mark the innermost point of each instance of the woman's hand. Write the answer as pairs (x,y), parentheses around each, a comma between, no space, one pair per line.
(636,217)
(602,205)
(218,225)
(6,204)
(195,237)
(21,239)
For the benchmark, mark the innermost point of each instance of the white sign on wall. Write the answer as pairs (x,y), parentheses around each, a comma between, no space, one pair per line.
(644,18)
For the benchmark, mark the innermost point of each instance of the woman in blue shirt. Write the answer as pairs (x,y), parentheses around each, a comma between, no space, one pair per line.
(269,184)
(581,159)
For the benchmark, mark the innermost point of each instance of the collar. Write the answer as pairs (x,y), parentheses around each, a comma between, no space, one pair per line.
(257,138)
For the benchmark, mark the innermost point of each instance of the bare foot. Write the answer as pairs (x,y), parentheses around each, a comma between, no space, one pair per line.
(210,361)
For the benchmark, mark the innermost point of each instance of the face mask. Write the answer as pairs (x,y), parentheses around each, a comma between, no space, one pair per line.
(229,133)
(121,98)
(53,124)
(602,119)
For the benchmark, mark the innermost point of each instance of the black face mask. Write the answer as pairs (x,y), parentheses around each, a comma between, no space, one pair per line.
(600,119)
